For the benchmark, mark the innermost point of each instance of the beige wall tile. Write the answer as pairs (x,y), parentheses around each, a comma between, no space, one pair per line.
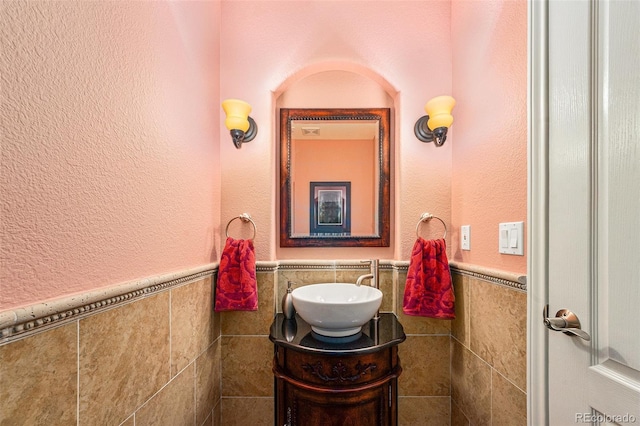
(470,384)
(423,411)
(350,275)
(217,414)
(208,421)
(385,279)
(509,404)
(191,322)
(208,375)
(173,405)
(246,366)
(425,366)
(418,325)
(457,416)
(38,377)
(247,411)
(386,286)
(460,327)
(124,359)
(253,322)
(493,308)
(304,277)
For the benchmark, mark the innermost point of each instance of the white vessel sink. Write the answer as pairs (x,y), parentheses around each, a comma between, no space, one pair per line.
(336,309)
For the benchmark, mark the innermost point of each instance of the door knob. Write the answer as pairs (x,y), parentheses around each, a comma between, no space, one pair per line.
(565,321)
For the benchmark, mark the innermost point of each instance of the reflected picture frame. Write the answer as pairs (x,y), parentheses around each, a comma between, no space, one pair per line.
(330,209)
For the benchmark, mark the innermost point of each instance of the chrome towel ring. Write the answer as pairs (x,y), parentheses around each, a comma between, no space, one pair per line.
(245,217)
(426,217)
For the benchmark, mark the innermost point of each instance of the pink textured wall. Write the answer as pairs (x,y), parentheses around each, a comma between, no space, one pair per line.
(489,182)
(115,165)
(403,44)
(110,165)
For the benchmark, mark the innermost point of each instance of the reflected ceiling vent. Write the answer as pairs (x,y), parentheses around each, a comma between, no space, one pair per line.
(311,131)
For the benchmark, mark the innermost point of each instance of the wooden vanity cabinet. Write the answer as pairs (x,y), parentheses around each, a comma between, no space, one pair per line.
(334,387)
(326,390)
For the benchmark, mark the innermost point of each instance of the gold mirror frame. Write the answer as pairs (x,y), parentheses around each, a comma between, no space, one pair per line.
(383,208)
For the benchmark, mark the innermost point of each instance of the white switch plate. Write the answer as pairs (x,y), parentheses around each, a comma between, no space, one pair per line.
(465,237)
(511,238)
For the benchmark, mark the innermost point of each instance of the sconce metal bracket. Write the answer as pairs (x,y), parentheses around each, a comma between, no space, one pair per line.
(251,133)
(239,137)
(422,130)
(425,134)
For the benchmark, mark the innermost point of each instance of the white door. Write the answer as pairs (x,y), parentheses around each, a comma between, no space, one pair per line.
(585,211)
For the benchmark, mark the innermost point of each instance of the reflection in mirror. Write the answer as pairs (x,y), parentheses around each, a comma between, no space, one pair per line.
(334,177)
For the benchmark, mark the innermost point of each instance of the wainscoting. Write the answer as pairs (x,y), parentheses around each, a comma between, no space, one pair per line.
(153,352)
(149,355)
(461,372)
(488,351)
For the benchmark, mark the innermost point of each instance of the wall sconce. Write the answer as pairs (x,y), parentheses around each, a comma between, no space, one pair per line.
(433,126)
(243,128)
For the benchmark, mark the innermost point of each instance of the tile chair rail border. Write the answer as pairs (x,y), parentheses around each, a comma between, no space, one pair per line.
(21,322)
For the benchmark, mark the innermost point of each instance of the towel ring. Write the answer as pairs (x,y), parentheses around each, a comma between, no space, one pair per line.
(245,217)
(426,217)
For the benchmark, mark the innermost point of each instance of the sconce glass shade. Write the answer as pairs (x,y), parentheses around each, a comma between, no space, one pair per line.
(237,112)
(433,127)
(439,111)
(242,127)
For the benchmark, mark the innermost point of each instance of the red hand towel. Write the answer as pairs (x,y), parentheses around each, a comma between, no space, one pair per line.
(237,288)
(428,291)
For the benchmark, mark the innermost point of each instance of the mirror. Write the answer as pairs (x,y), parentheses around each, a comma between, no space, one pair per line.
(334,177)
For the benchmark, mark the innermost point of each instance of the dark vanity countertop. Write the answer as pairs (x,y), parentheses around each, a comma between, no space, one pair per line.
(296,334)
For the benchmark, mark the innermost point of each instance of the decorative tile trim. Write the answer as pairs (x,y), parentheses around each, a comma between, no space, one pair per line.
(264,266)
(21,322)
(329,264)
(509,279)
(400,265)
(494,276)
(306,265)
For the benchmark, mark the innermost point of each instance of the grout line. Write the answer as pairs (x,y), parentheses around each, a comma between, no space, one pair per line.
(195,391)
(509,380)
(451,343)
(170,334)
(491,396)
(248,397)
(426,335)
(156,393)
(487,363)
(78,373)
(220,394)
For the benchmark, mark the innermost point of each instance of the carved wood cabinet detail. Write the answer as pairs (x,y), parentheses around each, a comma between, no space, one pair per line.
(332,389)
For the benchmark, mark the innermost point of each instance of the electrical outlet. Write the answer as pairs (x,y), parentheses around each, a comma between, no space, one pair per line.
(465,237)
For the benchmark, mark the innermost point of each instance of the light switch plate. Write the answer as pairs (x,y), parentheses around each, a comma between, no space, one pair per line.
(511,238)
(465,237)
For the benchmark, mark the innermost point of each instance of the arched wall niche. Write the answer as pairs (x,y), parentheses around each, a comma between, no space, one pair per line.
(337,85)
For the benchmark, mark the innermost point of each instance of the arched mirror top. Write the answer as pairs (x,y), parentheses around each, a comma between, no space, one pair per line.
(335,177)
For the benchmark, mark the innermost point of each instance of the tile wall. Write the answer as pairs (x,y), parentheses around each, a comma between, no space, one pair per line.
(166,358)
(488,353)
(443,381)
(424,388)
(152,359)
(247,380)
